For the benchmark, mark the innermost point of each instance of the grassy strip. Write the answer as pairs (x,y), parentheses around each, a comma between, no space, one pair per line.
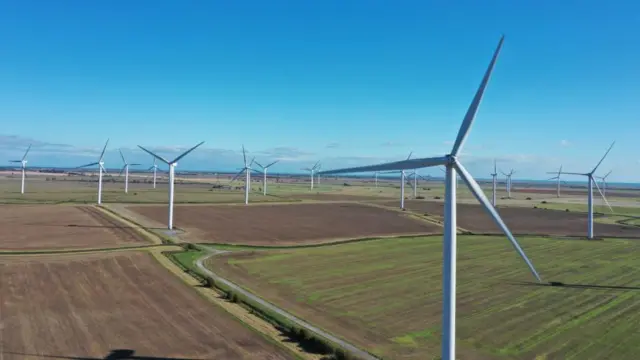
(73,251)
(308,341)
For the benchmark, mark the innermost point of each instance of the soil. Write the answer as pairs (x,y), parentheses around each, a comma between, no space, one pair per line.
(38,227)
(524,221)
(89,307)
(287,224)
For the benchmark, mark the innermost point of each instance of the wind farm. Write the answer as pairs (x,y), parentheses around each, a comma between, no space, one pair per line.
(163,246)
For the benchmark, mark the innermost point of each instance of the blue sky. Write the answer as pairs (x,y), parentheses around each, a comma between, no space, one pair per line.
(345,82)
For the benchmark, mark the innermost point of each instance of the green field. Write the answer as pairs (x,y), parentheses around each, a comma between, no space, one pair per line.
(385,295)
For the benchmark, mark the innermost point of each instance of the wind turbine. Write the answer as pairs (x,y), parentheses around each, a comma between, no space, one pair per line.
(591,182)
(23,162)
(508,182)
(264,172)
(557,177)
(317,171)
(402,181)
(125,168)
(494,183)
(604,182)
(155,171)
(453,165)
(311,171)
(247,181)
(101,169)
(172,171)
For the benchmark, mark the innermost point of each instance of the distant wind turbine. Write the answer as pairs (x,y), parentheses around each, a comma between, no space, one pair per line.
(557,177)
(172,170)
(604,182)
(264,173)
(311,170)
(125,169)
(494,183)
(508,182)
(101,168)
(155,171)
(247,180)
(591,182)
(23,163)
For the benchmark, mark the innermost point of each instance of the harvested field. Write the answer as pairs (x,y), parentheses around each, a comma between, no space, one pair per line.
(522,220)
(86,307)
(289,224)
(335,197)
(385,296)
(583,192)
(35,227)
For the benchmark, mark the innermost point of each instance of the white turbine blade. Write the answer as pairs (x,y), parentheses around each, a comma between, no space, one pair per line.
(122,156)
(473,108)
(306,169)
(237,175)
(252,161)
(94,163)
(103,150)
(396,165)
(262,167)
(443,170)
(423,178)
(479,194)
(135,164)
(603,197)
(604,177)
(15,161)
(315,165)
(26,152)
(573,173)
(273,163)
(155,156)
(103,168)
(256,171)
(553,178)
(560,171)
(409,157)
(244,155)
(495,167)
(121,171)
(605,155)
(186,152)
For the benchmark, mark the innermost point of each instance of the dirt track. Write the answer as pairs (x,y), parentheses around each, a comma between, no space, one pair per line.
(88,307)
(523,220)
(287,224)
(33,227)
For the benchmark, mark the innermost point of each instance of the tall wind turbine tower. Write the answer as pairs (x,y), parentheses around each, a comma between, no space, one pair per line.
(557,177)
(494,183)
(508,181)
(453,165)
(264,175)
(247,180)
(23,163)
(591,182)
(311,170)
(603,180)
(101,168)
(172,170)
(155,171)
(125,169)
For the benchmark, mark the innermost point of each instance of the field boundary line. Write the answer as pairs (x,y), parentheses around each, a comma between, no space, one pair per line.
(411,213)
(153,238)
(281,312)
(79,251)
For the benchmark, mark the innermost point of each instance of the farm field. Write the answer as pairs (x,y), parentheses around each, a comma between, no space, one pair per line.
(37,227)
(523,220)
(385,296)
(288,224)
(88,306)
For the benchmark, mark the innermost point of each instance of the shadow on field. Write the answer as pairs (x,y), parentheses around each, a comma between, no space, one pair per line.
(118,354)
(573,286)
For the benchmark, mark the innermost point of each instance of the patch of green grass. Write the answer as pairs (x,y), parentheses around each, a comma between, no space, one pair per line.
(385,295)
(603,209)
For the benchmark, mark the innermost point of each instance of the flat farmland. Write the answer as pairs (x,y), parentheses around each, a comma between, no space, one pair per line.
(36,227)
(385,296)
(522,220)
(289,224)
(86,307)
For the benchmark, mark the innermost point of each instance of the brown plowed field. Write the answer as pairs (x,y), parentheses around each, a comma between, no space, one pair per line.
(523,220)
(610,193)
(288,224)
(33,227)
(335,197)
(86,307)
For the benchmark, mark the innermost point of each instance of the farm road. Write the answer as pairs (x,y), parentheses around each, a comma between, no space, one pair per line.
(345,345)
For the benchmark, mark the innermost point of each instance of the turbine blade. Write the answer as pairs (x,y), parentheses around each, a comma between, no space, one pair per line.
(256,171)
(273,163)
(259,164)
(252,161)
(473,108)
(122,156)
(495,167)
(603,197)
(572,173)
(15,161)
(396,165)
(186,152)
(94,163)
(553,178)
(237,175)
(479,194)
(155,156)
(409,157)
(604,177)
(244,155)
(26,152)
(103,168)
(103,150)
(135,164)
(601,160)
(560,171)
(121,171)
(423,178)
(315,165)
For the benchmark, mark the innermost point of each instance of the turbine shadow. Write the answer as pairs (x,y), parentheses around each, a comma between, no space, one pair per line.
(573,286)
(117,354)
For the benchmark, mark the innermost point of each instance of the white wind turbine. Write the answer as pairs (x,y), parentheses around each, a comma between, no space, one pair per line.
(155,171)
(591,182)
(403,180)
(604,182)
(247,170)
(508,182)
(317,172)
(172,171)
(101,169)
(557,177)
(125,169)
(264,175)
(311,170)
(494,183)
(453,165)
(23,163)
